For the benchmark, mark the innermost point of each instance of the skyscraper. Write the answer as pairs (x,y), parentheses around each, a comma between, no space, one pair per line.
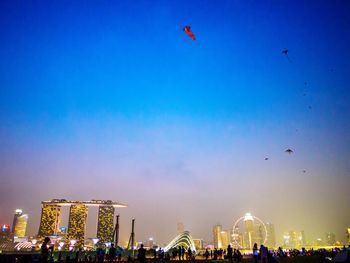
(249,231)
(217,236)
(105,223)
(302,238)
(271,238)
(77,223)
(225,239)
(5,234)
(198,243)
(21,225)
(18,213)
(180,228)
(293,239)
(330,239)
(49,222)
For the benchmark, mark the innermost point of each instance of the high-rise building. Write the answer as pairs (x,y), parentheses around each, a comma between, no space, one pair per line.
(180,228)
(18,213)
(271,238)
(236,238)
(293,239)
(330,239)
(225,239)
(249,236)
(49,222)
(20,226)
(19,223)
(77,223)
(105,225)
(5,234)
(217,236)
(302,238)
(198,243)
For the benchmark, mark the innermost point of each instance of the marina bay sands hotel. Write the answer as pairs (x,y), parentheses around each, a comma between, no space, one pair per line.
(51,211)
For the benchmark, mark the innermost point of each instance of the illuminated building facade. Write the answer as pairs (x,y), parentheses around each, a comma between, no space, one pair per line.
(271,238)
(105,225)
(198,243)
(217,229)
(330,239)
(5,234)
(77,222)
(49,222)
(348,234)
(18,213)
(21,226)
(50,219)
(293,239)
(248,238)
(225,239)
(19,223)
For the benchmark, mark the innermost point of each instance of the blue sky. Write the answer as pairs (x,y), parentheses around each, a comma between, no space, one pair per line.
(115,90)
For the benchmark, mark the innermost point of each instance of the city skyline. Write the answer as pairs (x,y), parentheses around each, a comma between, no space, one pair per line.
(105,228)
(112,100)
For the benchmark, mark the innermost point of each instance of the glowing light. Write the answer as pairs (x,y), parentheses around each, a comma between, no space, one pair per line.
(34,241)
(18,211)
(248,216)
(72,242)
(95,240)
(61,244)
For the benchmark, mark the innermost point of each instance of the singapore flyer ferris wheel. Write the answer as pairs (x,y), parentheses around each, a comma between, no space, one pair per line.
(248,230)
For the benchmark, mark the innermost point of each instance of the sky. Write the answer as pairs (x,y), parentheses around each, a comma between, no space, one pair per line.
(112,100)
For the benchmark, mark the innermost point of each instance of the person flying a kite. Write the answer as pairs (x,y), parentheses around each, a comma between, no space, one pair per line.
(188,32)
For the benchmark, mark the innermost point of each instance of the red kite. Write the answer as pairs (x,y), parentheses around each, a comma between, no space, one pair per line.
(188,31)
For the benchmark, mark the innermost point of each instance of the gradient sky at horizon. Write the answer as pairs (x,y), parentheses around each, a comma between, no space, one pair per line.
(111,100)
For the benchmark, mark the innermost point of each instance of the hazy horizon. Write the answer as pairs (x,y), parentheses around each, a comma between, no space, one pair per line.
(112,100)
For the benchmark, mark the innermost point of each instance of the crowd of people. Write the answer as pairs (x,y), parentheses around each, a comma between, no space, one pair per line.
(259,255)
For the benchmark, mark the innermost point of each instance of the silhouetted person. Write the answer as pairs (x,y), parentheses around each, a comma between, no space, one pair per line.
(263,254)
(179,252)
(111,253)
(77,256)
(45,250)
(215,254)
(189,253)
(239,255)
(229,253)
(141,254)
(255,252)
(183,251)
(206,254)
(59,257)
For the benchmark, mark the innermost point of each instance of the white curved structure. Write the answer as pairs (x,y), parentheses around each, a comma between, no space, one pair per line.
(248,220)
(184,239)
